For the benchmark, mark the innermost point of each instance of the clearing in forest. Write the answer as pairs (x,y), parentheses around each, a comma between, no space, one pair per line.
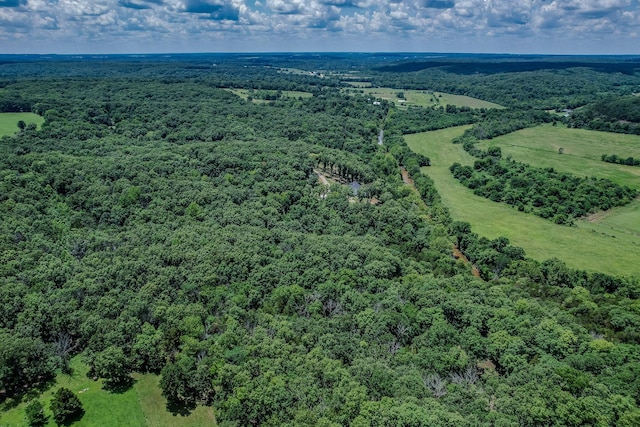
(140,405)
(587,246)
(258,95)
(9,121)
(425,98)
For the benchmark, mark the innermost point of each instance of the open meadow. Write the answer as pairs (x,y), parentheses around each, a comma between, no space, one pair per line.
(140,405)
(9,121)
(581,151)
(425,98)
(592,246)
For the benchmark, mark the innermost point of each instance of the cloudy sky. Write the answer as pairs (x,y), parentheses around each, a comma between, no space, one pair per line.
(161,26)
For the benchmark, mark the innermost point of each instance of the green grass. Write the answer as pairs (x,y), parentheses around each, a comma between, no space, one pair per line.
(9,121)
(582,149)
(445,99)
(140,405)
(425,98)
(588,246)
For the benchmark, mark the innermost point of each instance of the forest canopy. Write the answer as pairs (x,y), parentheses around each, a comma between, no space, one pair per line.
(159,223)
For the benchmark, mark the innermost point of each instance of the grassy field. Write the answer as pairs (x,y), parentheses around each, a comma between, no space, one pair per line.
(582,150)
(425,98)
(244,94)
(140,405)
(588,246)
(9,121)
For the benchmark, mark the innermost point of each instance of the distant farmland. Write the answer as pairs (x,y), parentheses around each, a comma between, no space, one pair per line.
(424,98)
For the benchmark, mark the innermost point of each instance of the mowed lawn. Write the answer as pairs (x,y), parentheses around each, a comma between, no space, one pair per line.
(591,247)
(140,405)
(9,121)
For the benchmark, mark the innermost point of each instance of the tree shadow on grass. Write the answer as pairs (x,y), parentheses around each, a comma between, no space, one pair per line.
(72,419)
(119,387)
(180,408)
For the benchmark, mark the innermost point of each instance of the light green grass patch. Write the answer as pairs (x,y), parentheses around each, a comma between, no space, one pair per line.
(9,121)
(154,405)
(140,405)
(101,407)
(587,246)
(425,98)
(464,101)
(582,150)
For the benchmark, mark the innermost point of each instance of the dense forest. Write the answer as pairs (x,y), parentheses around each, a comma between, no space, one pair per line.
(157,222)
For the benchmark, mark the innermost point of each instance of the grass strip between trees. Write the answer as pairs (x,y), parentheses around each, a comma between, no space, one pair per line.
(587,247)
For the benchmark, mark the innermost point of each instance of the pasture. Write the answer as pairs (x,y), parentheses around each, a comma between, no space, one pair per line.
(9,121)
(539,146)
(425,98)
(591,246)
(140,405)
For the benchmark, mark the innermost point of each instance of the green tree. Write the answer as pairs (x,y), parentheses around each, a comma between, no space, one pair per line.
(66,406)
(112,365)
(35,414)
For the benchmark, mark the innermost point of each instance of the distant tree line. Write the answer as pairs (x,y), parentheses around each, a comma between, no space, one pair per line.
(628,161)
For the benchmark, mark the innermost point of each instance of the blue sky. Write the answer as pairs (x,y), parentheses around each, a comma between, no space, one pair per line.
(163,26)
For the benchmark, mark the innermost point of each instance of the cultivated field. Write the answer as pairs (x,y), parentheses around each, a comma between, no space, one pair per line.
(140,405)
(9,121)
(588,246)
(424,98)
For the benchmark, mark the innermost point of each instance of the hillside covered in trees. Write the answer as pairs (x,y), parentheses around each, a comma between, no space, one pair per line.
(157,222)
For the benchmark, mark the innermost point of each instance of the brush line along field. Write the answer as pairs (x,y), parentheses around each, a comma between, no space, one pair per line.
(588,246)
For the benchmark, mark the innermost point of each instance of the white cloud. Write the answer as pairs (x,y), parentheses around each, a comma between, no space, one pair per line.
(422,22)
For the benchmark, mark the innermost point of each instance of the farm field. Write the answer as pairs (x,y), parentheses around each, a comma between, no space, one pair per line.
(9,121)
(588,246)
(425,98)
(140,405)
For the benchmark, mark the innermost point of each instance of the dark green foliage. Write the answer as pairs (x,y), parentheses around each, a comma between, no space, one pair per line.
(34,412)
(628,161)
(25,362)
(66,406)
(157,223)
(552,195)
(112,365)
(612,114)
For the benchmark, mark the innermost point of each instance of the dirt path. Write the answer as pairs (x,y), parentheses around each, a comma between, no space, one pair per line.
(407,179)
(321,177)
(459,255)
